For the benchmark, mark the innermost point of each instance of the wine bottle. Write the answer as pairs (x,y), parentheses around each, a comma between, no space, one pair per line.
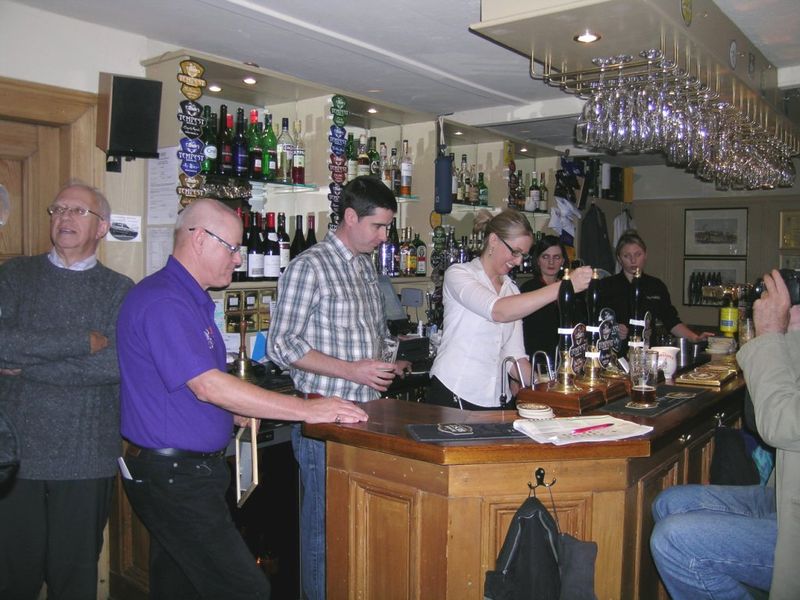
(534,195)
(224,142)
(299,155)
(240,272)
(483,191)
(239,147)
(351,152)
(406,170)
(209,139)
(386,167)
(255,152)
(283,242)
(272,250)
(269,145)
(453,177)
(374,158)
(472,196)
(544,194)
(363,157)
(311,236)
(298,242)
(255,250)
(285,150)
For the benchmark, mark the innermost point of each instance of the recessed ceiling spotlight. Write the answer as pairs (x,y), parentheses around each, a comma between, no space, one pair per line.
(374,91)
(214,88)
(457,133)
(252,64)
(249,80)
(372,110)
(587,37)
(523,149)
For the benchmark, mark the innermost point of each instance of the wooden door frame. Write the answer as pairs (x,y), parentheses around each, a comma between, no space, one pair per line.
(73,114)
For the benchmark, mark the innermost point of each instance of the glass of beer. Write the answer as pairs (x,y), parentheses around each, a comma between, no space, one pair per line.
(644,374)
(387,350)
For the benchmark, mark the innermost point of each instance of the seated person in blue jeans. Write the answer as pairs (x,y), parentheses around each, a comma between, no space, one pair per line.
(711,541)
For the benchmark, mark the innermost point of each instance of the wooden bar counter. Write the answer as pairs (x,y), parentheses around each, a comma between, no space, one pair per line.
(407,519)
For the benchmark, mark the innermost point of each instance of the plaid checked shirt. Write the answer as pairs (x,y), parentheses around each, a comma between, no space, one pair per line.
(328,301)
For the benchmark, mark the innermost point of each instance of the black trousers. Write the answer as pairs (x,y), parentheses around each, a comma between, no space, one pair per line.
(52,531)
(195,549)
(440,395)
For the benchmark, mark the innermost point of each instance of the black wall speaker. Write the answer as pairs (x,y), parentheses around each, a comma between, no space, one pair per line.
(128,112)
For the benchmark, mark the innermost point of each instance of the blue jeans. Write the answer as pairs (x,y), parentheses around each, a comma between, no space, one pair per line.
(310,455)
(710,539)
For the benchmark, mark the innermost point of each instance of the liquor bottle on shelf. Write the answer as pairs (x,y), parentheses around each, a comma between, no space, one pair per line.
(311,235)
(453,177)
(472,192)
(224,142)
(411,261)
(394,164)
(462,174)
(362,167)
(534,195)
(298,242)
(240,272)
(351,152)
(394,241)
(422,256)
(285,150)
(483,191)
(272,250)
(522,191)
(255,250)
(283,242)
(544,196)
(239,146)
(269,146)
(299,156)
(209,139)
(374,158)
(406,170)
(386,168)
(255,152)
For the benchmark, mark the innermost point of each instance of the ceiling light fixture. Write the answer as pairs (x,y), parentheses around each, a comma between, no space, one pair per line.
(523,149)
(214,88)
(372,110)
(249,80)
(457,133)
(252,64)
(587,37)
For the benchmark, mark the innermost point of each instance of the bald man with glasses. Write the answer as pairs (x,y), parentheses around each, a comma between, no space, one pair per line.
(59,386)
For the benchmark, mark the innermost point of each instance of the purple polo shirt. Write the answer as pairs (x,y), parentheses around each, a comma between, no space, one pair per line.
(166,336)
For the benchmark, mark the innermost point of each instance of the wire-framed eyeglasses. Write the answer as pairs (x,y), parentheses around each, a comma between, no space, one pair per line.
(231,248)
(514,253)
(56,210)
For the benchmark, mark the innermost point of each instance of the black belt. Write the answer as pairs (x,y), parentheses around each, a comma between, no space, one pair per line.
(135,451)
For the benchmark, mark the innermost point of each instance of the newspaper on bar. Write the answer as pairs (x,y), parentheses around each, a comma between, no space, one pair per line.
(573,430)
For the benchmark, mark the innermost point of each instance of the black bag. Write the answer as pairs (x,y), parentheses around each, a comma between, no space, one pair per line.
(537,561)
(731,463)
(9,448)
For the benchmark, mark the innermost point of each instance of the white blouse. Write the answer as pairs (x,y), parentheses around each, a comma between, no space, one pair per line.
(473,345)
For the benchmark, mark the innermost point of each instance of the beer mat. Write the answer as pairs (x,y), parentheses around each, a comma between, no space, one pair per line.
(459,432)
(667,396)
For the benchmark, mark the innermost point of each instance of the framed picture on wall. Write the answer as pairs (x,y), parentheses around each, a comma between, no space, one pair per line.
(790,230)
(725,270)
(715,232)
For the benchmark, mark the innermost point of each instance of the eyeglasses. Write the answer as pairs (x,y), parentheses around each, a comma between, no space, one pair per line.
(72,211)
(232,249)
(514,253)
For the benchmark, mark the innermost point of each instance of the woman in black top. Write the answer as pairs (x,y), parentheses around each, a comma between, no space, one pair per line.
(615,291)
(540,328)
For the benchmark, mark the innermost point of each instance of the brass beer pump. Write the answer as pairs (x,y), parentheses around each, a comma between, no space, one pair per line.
(565,376)
(593,369)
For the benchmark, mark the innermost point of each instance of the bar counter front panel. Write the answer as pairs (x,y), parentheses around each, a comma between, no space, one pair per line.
(407,519)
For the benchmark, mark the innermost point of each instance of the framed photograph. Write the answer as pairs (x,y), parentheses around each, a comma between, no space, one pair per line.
(726,270)
(716,232)
(790,230)
(789,261)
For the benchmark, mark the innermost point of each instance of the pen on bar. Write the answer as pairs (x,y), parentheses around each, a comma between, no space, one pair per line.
(590,428)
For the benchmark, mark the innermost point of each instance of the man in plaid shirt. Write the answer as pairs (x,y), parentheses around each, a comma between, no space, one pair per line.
(326,329)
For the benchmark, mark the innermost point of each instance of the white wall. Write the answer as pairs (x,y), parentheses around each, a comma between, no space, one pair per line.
(43,47)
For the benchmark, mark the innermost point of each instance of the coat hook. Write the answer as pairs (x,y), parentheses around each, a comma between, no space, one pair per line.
(540,479)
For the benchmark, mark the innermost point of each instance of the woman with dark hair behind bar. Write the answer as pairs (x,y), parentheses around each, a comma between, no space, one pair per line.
(540,328)
(615,291)
(482,312)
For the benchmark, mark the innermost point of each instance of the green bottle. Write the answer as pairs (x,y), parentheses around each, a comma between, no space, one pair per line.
(269,146)
(209,139)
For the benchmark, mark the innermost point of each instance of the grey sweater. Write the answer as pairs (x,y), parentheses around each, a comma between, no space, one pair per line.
(65,403)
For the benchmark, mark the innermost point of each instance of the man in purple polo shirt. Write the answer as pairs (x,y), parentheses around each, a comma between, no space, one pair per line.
(178,407)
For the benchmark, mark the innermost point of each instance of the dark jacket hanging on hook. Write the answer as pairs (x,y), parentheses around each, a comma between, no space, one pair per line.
(595,245)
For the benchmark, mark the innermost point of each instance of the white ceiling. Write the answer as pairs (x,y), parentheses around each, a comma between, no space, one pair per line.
(411,53)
